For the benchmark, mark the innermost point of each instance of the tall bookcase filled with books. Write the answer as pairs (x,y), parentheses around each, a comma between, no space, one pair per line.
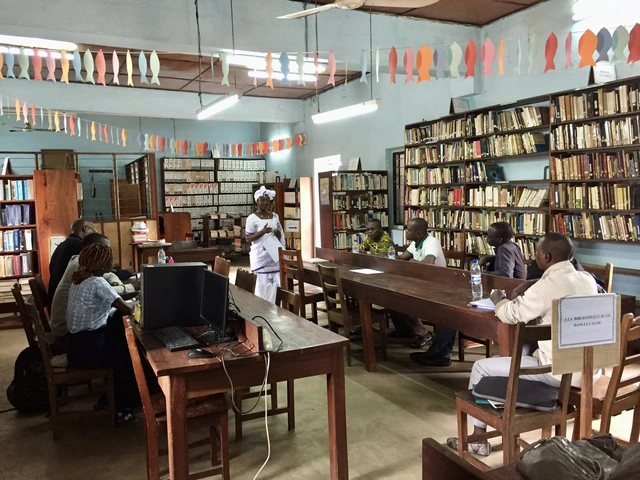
(348,200)
(595,163)
(468,170)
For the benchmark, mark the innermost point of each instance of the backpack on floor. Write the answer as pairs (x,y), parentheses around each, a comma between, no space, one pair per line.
(28,391)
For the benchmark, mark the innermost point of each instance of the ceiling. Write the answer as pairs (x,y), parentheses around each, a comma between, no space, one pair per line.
(470,12)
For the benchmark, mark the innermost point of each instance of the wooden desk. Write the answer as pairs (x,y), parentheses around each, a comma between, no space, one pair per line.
(205,255)
(148,249)
(308,350)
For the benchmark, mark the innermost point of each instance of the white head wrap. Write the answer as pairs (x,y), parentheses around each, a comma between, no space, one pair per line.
(264,191)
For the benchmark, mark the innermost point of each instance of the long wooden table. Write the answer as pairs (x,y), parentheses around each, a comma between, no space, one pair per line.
(308,350)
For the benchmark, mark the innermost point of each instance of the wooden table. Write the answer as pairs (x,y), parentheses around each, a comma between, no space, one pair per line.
(148,249)
(205,255)
(308,350)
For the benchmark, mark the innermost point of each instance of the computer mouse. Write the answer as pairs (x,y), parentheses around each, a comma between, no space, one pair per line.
(199,353)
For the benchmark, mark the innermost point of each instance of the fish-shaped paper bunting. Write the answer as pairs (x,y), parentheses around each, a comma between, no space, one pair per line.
(377,66)
(424,61)
(41,115)
(9,60)
(408,65)
(550,50)
(163,144)
(93,131)
(123,136)
(239,150)
(456,59)
(86,130)
(533,52)
(315,64)
(37,65)
(605,42)
(105,134)
(518,66)
(284,68)
(142,66)
(77,66)
(152,143)
(115,66)
(33,115)
(17,110)
(269,70)
(1,77)
(332,69)
(101,67)
(216,153)
(64,122)
(172,145)
(88,66)
(23,63)
(129,62)
(634,44)
(619,41)
(72,126)
(51,66)
(56,120)
(154,65)
(25,112)
(393,65)
(234,150)
(363,67)
(111,134)
(224,59)
(300,63)
(568,45)
(49,120)
(487,55)
(198,149)
(470,56)
(586,46)
(501,58)
(147,147)
(140,140)
(99,128)
(440,60)
(64,65)
(205,147)
(79,127)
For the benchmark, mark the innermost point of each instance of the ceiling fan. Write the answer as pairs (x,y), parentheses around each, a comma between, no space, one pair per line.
(26,129)
(355,4)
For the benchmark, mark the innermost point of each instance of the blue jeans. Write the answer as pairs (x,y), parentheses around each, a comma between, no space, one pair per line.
(442,345)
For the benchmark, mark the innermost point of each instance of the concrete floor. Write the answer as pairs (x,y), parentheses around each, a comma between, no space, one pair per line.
(389,413)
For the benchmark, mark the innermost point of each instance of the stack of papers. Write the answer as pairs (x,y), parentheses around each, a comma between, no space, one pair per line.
(484,304)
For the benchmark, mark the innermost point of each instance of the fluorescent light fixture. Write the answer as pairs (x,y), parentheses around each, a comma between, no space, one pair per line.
(29,52)
(346,112)
(259,63)
(38,43)
(217,105)
(279,76)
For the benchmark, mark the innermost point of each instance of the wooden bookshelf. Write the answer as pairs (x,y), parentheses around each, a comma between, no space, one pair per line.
(348,200)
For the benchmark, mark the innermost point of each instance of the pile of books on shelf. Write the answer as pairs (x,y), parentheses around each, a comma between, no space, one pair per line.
(190,188)
(344,241)
(498,196)
(16,265)
(236,187)
(451,241)
(360,202)
(624,99)
(421,155)
(528,247)
(222,233)
(17,190)
(598,226)
(344,221)
(200,177)
(139,232)
(14,215)
(597,197)
(235,199)
(521,223)
(596,166)
(608,133)
(291,212)
(18,239)
(502,121)
(241,164)
(190,201)
(189,164)
(436,131)
(478,244)
(435,197)
(506,145)
(359,181)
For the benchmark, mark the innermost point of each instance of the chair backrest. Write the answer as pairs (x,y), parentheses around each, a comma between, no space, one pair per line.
(222,266)
(291,269)
(623,392)
(45,349)
(41,299)
(24,315)
(288,300)
(246,280)
(334,297)
(608,277)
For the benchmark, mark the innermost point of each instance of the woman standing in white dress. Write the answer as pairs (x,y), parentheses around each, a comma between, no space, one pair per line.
(265,233)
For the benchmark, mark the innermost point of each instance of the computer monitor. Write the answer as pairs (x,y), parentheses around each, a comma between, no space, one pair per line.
(171,294)
(215,303)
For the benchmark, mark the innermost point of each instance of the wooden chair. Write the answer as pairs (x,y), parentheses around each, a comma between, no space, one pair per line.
(246,280)
(210,410)
(509,422)
(465,341)
(340,313)
(41,299)
(608,277)
(291,302)
(618,393)
(222,266)
(69,377)
(24,316)
(292,279)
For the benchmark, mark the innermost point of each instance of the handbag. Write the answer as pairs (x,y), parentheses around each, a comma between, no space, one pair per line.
(556,457)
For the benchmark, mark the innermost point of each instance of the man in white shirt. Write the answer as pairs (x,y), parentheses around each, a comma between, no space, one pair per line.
(560,279)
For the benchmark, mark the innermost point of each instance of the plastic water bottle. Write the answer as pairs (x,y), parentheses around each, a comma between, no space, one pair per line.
(162,256)
(355,248)
(476,281)
(391,253)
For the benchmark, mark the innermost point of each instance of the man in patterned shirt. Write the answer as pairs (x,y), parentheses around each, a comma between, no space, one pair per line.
(378,240)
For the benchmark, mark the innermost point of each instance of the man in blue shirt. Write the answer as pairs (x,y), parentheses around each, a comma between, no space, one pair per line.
(508,260)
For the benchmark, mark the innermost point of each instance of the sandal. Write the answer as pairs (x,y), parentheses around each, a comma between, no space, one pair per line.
(482,449)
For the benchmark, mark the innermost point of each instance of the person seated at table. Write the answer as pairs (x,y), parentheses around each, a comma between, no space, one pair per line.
(425,249)
(61,298)
(378,240)
(534,273)
(553,254)
(508,260)
(90,346)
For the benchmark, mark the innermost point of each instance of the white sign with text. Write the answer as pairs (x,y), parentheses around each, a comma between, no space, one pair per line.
(584,321)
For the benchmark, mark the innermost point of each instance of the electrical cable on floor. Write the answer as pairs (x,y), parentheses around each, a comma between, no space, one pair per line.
(266,419)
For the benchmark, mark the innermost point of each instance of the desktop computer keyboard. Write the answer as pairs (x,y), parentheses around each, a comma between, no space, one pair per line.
(174,338)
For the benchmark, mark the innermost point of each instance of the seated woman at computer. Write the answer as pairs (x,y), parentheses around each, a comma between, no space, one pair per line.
(265,233)
(90,346)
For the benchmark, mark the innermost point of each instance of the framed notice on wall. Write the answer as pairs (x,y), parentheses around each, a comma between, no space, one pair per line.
(324,192)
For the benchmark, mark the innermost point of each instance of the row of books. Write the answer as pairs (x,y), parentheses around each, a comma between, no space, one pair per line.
(14,215)
(503,121)
(433,176)
(597,197)
(236,187)
(345,221)
(498,196)
(237,164)
(344,241)
(291,212)
(18,239)
(448,152)
(609,133)
(195,176)
(481,172)
(293,243)
(478,244)
(624,99)
(359,181)
(190,188)
(521,223)
(360,202)
(596,226)
(452,241)
(17,190)
(506,145)
(190,201)
(16,265)
(251,176)
(596,166)
(436,131)
(432,197)
(437,218)
(189,164)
